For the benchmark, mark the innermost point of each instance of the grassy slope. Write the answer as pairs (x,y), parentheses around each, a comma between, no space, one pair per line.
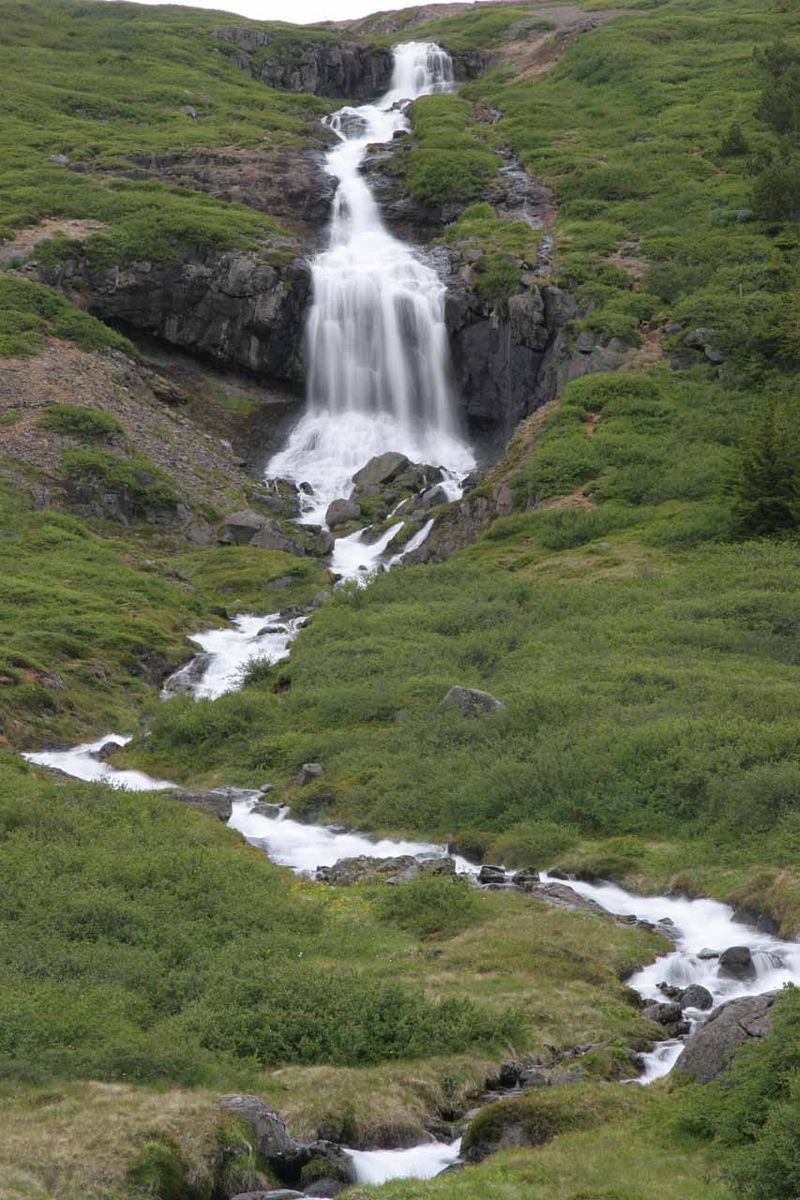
(647,658)
(647,661)
(103,83)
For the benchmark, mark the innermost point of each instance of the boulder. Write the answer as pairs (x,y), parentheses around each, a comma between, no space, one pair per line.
(309,772)
(274,1194)
(325,1189)
(262,809)
(471,702)
(380,470)
(186,677)
(218,802)
(664,1013)
(525,878)
(275,1143)
(339,512)
(737,963)
(696,996)
(491,874)
(708,1051)
(706,954)
(434,496)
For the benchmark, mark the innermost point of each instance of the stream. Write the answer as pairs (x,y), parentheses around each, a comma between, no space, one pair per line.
(378,381)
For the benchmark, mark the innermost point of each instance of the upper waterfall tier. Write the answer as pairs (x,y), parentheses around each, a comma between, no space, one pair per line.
(378,358)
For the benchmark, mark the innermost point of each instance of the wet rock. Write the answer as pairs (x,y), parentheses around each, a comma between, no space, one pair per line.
(471,702)
(696,996)
(491,874)
(708,954)
(273,1194)
(324,1188)
(318,541)
(557,873)
(669,990)
(308,773)
(379,471)
(737,963)
(434,496)
(262,809)
(534,1077)
(761,921)
(709,1050)
(525,878)
(665,1013)
(341,511)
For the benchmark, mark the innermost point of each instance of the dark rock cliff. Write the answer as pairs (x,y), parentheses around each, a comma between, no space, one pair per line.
(233,307)
(339,69)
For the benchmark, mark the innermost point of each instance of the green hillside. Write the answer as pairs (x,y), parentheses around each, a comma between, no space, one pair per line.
(636,611)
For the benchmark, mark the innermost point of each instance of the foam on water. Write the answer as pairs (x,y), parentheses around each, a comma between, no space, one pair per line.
(306,847)
(700,925)
(378,357)
(230,651)
(81,763)
(418,1162)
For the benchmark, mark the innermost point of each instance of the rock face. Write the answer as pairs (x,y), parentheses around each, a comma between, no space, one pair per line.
(344,69)
(325,68)
(218,802)
(238,308)
(510,360)
(708,1051)
(471,702)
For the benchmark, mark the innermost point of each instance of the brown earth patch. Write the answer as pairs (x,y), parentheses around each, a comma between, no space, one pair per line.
(204,468)
(535,55)
(28,239)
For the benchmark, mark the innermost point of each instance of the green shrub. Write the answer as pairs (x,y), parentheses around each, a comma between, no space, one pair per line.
(141,488)
(29,312)
(533,843)
(430,907)
(86,424)
(159,1170)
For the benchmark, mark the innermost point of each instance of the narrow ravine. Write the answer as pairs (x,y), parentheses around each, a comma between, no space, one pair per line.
(378,382)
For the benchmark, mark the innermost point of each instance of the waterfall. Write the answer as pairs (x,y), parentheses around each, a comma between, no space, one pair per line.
(378,373)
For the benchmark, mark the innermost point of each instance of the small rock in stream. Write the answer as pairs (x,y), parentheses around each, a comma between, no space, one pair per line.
(737,963)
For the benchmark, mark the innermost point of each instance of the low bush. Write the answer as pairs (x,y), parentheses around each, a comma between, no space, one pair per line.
(430,907)
(85,424)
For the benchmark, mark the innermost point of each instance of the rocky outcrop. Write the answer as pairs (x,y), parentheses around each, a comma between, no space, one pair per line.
(461,523)
(332,67)
(239,308)
(471,702)
(708,1052)
(284,1154)
(405,868)
(512,358)
(340,69)
(282,181)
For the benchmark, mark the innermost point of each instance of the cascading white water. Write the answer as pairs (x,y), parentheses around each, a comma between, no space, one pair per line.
(378,357)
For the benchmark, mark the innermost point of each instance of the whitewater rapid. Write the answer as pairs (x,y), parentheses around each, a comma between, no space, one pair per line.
(377,351)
